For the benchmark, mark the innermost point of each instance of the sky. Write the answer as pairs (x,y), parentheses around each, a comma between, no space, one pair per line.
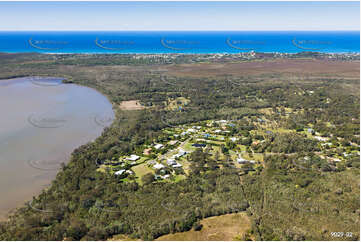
(195,16)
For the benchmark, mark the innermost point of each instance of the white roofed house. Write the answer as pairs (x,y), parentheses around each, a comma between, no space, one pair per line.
(176,165)
(233,139)
(181,152)
(158,146)
(173,142)
(222,121)
(241,160)
(133,157)
(171,162)
(158,166)
(120,172)
(319,138)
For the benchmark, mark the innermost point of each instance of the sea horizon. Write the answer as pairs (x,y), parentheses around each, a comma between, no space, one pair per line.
(179,42)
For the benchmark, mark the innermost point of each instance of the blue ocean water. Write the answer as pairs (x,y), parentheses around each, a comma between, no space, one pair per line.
(202,42)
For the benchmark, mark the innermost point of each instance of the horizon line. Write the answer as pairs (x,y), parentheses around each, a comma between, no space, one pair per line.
(3,30)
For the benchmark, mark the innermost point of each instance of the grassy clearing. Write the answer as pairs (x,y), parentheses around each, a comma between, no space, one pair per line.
(141,170)
(225,227)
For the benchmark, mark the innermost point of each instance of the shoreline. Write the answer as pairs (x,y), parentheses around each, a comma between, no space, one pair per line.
(45,184)
(175,53)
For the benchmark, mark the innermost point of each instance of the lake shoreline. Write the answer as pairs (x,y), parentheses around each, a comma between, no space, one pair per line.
(43,177)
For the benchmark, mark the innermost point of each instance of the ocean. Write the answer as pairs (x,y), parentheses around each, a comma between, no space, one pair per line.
(189,42)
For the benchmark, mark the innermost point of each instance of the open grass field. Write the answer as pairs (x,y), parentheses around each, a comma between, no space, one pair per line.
(225,227)
(141,170)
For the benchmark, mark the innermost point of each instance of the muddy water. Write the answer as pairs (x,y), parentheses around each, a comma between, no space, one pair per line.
(41,122)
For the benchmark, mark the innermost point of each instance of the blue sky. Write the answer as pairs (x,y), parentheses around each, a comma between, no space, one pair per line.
(179,15)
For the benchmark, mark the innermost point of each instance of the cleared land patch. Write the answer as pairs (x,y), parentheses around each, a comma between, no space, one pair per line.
(225,227)
(131,105)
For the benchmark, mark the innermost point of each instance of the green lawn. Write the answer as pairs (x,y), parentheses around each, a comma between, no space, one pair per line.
(141,170)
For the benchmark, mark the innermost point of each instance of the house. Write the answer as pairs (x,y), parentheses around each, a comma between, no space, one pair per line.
(217,131)
(120,172)
(256,142)
(171,162)
(241,160)
(328,144)
(199,145)
(158,166)
(260,120)
(191,130)
(181,152)
(309,130)
(158,146)
(233,139)
(133,157)
(222,121)
(147,151)
(319,138)
(207,136)
(176,165)
(173,142)
(336,159)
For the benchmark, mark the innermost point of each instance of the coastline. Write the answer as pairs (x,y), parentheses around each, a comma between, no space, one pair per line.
(180,53)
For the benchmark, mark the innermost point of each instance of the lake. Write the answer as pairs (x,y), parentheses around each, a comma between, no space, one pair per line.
(42,121)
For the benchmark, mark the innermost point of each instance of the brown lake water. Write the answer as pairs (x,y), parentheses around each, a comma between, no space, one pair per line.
(41,122)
